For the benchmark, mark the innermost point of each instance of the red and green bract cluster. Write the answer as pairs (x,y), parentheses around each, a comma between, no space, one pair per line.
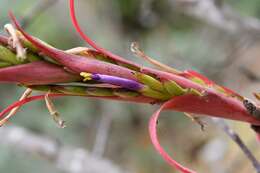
(101,74)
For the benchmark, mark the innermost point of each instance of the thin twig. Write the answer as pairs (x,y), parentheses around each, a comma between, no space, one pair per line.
(236,138)
(139,53)
(54,113)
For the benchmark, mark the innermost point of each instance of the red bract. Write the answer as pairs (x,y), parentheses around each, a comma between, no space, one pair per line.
(36,73)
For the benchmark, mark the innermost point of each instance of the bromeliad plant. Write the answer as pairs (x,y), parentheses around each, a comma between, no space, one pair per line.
(100,74)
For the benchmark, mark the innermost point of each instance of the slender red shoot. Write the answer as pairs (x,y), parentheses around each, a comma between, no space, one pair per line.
(26,100)
(87,39)
(37,43)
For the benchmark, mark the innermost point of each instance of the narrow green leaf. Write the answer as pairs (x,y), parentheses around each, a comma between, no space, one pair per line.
(150,81)
(147,91)
(4,64)
(194,92)
(73,90)
(174,89)
(99,92)
(126,94)
(7,55)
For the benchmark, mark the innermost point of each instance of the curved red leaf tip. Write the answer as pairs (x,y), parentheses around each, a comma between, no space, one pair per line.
(157,145)
(87,39)
(35,42)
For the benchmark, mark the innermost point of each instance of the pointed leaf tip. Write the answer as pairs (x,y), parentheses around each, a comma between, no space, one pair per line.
(91,42)
(84,36)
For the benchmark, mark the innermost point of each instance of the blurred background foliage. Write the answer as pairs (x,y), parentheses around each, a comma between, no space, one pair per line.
(166,33)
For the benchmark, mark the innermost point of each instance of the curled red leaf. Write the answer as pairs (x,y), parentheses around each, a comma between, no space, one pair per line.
(92,43)
(154,138)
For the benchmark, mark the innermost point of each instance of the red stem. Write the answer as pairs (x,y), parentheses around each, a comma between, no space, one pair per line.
(24,101)
(19,103)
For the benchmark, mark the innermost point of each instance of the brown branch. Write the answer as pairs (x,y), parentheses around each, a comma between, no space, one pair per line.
(236,138)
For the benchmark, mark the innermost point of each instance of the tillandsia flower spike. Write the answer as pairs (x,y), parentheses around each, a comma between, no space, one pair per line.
(98,73)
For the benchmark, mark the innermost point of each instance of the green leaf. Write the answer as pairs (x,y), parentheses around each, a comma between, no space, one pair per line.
(150,81)
(7,55)
(173,88)
(4,64)
(147,91)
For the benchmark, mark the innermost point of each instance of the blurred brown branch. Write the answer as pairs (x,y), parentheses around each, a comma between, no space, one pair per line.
(236,138)
(66,158)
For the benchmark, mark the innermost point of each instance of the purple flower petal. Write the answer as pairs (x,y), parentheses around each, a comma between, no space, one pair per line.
(114,80)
